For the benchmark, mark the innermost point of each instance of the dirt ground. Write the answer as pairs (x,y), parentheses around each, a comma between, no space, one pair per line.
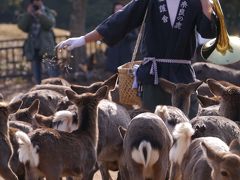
(97,176)
(11,88)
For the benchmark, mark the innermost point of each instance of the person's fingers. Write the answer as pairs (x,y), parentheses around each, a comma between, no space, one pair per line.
(59,45)
(70,47)
(62,45)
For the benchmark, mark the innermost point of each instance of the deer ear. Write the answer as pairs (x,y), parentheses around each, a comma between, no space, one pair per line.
(42,121)
(215,87)
(207,101)
(235,146)
(122,131)
(79,89)
(194,85)
(167,85)
(34,108)
(13,107)
(101,93)
(111,82)
(211,155)
(71,95)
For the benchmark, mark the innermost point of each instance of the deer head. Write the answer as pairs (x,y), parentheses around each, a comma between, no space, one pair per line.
(225,165)
(181,93)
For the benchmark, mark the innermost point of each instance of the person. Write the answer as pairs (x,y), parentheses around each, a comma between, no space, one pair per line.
(121,52)
(38,22)
(168,42)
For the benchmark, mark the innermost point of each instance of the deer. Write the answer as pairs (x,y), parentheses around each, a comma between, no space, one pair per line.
(49,100)
(171,116)
(224,165)
(211,125)
(180,93)
(215,126)
(26,114)
(53,154)
(209,105)
(110,116)
(205,70)
(110,82)
(187,157)
(6,152)
(13,126)
(230,99)
(53,87)
(146,144)
(56,81)
(61,120)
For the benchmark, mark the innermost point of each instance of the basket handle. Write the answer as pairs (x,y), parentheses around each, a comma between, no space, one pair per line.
(140,34)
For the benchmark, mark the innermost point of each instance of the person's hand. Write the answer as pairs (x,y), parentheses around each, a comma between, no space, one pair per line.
(207,8)
(30,9)
(38,12)
(71,43)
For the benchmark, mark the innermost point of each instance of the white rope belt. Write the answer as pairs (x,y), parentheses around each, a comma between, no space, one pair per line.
(154,71)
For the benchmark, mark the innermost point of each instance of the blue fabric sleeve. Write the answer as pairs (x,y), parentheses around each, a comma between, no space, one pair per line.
(115,27)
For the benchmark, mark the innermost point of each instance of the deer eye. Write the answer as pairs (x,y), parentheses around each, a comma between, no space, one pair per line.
(224,173)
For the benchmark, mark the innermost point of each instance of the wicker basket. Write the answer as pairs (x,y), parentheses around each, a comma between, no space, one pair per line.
(127,95)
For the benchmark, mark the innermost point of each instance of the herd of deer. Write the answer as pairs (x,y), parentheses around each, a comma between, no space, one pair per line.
(57,130)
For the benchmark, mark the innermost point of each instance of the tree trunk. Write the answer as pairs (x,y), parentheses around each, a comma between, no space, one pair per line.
(77,28)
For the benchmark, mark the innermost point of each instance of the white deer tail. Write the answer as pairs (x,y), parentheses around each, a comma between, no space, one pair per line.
(145,154)
(27,153)
(182,138)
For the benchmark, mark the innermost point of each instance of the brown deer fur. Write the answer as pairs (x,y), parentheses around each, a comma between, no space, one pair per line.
(171,116)
(110,117)
(224,165)
(56,81)
(230,99)
(146,144)
(216,126)
(187,159)
(58,88)
(110,82)
(49,100)
(53,153)
(181,93)
(205,70)
(6,150)
(26,114)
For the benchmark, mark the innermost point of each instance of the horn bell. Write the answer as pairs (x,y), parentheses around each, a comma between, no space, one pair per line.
(223,49)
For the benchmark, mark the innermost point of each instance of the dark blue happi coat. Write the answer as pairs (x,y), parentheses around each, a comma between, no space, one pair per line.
(161,39)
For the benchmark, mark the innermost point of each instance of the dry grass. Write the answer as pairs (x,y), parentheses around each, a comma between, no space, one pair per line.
(11,31)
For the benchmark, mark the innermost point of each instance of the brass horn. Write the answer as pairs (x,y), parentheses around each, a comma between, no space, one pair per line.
(223,49)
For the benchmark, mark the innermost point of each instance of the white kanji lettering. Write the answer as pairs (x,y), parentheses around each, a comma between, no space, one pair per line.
(178,25)
(181,12)
(180,18)
(184,4)
(162,8)
(165,19)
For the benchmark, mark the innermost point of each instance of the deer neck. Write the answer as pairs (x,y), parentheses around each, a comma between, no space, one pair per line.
(88,121)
